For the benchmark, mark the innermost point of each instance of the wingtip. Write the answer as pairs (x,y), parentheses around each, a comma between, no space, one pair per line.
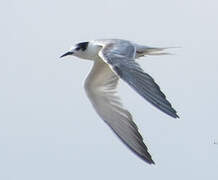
(148,159)
(152,162)
(176,116)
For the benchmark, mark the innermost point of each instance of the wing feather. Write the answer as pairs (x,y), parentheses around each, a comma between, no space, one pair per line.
(100,87)
(127,69)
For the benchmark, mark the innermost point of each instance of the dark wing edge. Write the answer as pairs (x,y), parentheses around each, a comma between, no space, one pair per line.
(130,71)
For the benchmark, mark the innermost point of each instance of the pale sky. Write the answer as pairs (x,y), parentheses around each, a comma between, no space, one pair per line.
(48,128)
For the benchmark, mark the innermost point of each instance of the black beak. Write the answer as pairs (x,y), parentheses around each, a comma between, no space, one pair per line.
(66,54)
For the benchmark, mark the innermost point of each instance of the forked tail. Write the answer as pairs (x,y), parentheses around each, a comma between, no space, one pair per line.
(152,51)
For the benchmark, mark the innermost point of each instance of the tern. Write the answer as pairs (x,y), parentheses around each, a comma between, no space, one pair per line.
(114,59)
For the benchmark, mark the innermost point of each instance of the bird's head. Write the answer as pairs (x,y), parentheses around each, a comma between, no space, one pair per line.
(79,50)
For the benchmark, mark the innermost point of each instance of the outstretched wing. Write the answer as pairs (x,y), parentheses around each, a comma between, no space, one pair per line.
(100,87)
(120,57)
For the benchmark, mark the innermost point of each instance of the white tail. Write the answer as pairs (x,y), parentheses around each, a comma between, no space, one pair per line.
(152,51)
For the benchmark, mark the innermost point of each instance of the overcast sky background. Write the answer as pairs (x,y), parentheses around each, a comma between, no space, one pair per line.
(48,128)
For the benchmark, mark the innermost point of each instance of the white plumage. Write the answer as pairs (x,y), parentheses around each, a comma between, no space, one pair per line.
(114,59)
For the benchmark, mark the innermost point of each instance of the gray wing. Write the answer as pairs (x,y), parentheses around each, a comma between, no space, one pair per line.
(120,57)
(100,87)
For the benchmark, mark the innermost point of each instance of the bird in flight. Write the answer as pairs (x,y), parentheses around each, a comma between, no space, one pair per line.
(114,59)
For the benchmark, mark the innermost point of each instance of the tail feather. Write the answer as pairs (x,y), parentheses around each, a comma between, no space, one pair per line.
(153,51)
